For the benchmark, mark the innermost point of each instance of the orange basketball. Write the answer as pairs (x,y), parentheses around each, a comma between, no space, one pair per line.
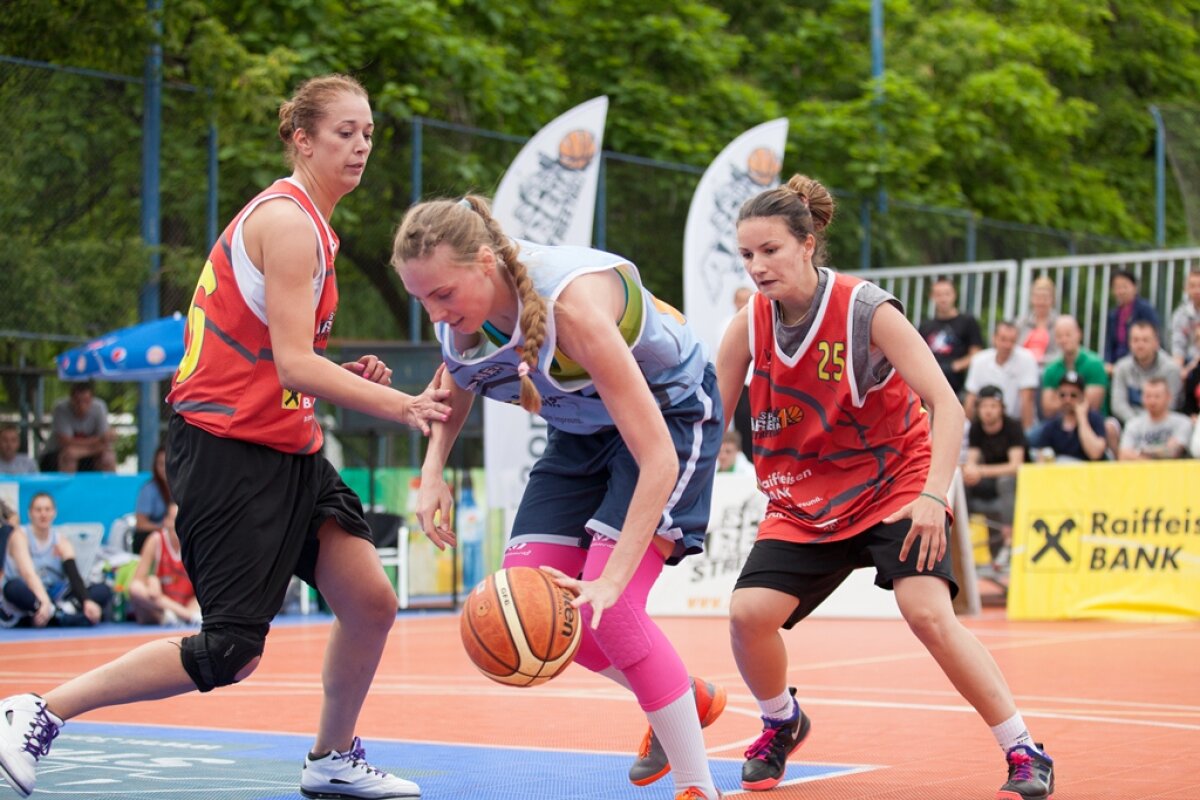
(577,149)
(763,166)
(519,627)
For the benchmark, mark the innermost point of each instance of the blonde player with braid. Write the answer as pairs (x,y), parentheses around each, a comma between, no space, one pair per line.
(623,486)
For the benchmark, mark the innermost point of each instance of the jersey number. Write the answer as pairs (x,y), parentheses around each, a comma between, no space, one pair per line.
(195,323)
(832,353)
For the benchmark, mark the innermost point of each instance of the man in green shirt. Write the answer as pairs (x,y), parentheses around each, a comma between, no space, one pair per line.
(1075,358)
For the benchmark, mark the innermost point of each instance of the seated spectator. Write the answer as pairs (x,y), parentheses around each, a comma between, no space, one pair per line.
(13,462)
(1078,359)
(1157,432)
(953,337)
(1012,369)
(1145,361)
(730,457)
(8,523)
(83,440)
(1130,308)
(995,452)
(1191,385)
(1035,330)
(42,582)
(1075,432)
(152,501)
(160,591)
(1185,325)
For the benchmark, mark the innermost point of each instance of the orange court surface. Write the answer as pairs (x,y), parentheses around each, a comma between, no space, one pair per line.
(1116,704)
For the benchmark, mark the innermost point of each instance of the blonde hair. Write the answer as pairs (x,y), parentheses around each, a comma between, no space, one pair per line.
(308,106)
(465,226)
(806,206)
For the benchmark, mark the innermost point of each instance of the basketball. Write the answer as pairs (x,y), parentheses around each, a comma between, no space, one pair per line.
(519,627)
(577,149)
(763,166)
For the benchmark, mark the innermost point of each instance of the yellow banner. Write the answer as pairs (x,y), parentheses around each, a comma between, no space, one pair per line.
(1112,540)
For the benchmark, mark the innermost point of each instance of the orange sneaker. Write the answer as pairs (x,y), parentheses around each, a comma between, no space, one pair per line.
(651,763)
(695,793)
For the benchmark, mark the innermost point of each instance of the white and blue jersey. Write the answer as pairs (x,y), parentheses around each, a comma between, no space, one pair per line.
(670,356)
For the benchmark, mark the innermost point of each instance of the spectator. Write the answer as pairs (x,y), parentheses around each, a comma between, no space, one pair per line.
(152,501)
(1013,369)
(42,582)
(160,591)
(1185,325)
(13,462)
(1076,431)
(1191,384)
(1075,358)
(1130,308)
(1157,432)
(995,452)
(1145,361)
(953,337)
(1035,330)
(82,436)
(730,457)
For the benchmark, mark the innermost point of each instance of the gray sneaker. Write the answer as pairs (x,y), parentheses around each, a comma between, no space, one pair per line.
(652,763)
(26,730)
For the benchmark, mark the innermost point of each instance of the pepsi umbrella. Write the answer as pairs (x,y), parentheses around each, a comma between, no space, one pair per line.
(148,351)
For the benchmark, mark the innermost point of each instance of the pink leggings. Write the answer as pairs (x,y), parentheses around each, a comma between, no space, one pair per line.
(627,638)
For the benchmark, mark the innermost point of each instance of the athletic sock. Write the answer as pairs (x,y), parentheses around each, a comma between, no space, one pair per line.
(778,708)
(1012,732)
(678,730)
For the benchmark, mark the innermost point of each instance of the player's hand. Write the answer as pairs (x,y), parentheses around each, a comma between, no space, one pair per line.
(371,368)
(600,594)
(434,503)
(43,614)
(928,526)
(429,406)
(92,611)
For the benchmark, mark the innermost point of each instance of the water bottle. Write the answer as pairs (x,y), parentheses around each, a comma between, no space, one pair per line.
(470,535)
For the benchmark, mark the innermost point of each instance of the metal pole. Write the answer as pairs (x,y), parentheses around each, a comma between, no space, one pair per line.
(877,80)
(148,306)
(211,226)
(601,214)
(1160,179)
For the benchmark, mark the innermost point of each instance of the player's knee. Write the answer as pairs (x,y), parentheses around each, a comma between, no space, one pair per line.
(222,654)
(927,624)
(623,635)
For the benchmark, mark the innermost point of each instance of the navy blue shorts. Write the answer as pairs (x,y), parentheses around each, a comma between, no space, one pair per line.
(583,483)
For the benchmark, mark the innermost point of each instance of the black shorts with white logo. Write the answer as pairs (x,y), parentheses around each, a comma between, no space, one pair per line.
(811,572)
(248,519)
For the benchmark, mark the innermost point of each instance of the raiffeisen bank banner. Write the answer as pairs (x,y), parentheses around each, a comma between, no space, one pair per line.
(1111,540)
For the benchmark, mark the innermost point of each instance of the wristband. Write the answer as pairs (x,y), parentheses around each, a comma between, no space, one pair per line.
(932,496)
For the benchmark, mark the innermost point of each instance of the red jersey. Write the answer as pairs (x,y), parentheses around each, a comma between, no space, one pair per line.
(226,383)
(839,442)
(174,579)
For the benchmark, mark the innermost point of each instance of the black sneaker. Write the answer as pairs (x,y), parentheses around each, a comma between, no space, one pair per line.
(1030,775)
(766,760)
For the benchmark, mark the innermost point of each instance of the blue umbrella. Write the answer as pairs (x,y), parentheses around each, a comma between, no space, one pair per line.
(148,351)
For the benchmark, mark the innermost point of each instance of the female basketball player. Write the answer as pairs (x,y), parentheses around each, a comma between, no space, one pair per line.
(856,478)
(624,483)
(257,501)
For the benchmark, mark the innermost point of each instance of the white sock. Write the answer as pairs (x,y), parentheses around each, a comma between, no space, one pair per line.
(1013,732)
(780,707)
(614,674)
(678,730)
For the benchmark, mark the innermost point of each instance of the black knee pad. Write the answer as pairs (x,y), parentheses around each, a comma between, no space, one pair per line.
(215,655)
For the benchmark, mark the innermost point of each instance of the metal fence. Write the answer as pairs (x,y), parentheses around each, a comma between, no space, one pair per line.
(73,166)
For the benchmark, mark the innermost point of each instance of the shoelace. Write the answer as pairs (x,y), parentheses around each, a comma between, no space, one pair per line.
(691,793)
(357,756)
(1022,766)
(42,732)
(763,744)
(644,750)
